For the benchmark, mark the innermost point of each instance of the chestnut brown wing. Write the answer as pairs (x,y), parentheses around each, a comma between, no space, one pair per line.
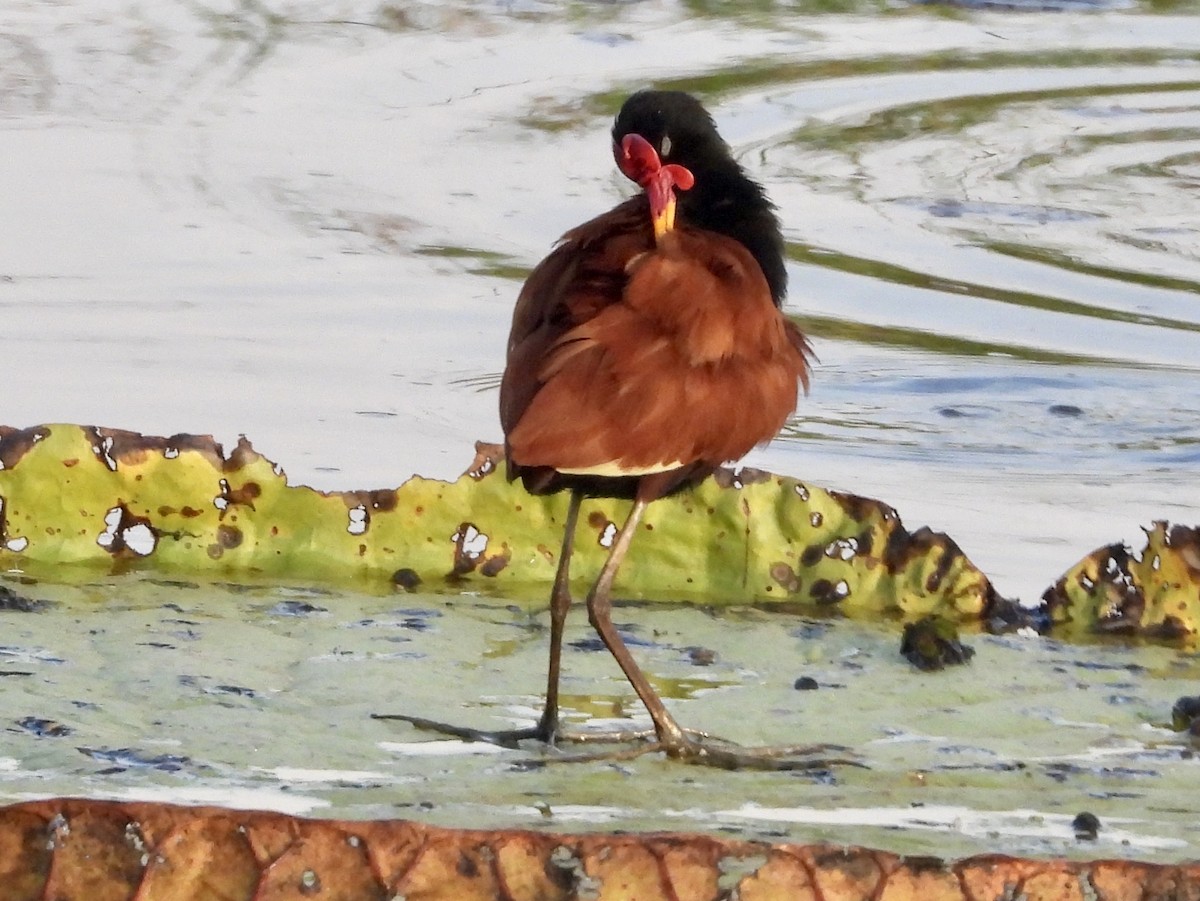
(585,274)
(691,363)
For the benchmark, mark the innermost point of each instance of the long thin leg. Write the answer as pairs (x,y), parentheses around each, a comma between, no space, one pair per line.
(689,745)
(672,738)
(546,729)
(560,603)
(599,604)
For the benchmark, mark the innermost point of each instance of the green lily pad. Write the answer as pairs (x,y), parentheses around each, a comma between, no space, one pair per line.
(1156,595)
(104,498)
(88,498)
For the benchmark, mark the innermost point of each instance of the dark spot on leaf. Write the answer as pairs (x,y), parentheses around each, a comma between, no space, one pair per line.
(125,447)
(865,541)
(15,443)
(805,683)
(824,591)
(487,456)
(903,547)
(229,537)
(127,535)
(925,863)
(1172,628)
(494,564)
(749,475)
(469,545)
(812,555)
(242,456)
(383,500)
(786,577)
(245,495)
(863,509)
(467,866)
(933,582)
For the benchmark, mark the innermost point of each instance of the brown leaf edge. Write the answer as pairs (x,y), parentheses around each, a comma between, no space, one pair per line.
(66,849)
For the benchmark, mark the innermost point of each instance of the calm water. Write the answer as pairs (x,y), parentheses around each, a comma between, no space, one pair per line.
(308,222)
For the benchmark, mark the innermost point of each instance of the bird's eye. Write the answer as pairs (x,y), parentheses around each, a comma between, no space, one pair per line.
(666,146)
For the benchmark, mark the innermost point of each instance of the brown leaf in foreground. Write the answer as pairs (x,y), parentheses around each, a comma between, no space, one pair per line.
(68,849)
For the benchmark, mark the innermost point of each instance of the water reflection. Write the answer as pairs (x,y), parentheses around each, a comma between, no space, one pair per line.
(1006,413)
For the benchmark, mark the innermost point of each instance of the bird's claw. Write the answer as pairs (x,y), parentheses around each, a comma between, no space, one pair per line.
(776,758)
(504,738)
(728,756)
(689,746)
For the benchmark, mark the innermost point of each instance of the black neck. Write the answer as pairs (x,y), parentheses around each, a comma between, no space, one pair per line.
(726,201)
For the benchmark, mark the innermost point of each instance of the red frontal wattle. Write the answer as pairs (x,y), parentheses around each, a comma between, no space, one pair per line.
(636,158)
(639,162)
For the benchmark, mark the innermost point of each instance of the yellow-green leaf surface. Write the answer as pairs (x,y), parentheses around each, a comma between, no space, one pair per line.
(97,497)
(1156,595)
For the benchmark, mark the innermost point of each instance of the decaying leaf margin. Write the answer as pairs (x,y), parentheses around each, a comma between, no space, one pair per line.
(97,497)
(85,497)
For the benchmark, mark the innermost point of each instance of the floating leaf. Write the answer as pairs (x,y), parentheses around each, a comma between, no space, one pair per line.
(96,497)
(1156,595)
(118,500)
(70,849)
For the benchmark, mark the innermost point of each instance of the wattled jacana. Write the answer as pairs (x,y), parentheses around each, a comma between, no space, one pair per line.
(646,350)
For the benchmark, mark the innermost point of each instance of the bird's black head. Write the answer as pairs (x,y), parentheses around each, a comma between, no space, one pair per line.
(724,199)
(676,125)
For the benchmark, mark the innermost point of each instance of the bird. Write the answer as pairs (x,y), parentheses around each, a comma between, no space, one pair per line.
(648,349)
